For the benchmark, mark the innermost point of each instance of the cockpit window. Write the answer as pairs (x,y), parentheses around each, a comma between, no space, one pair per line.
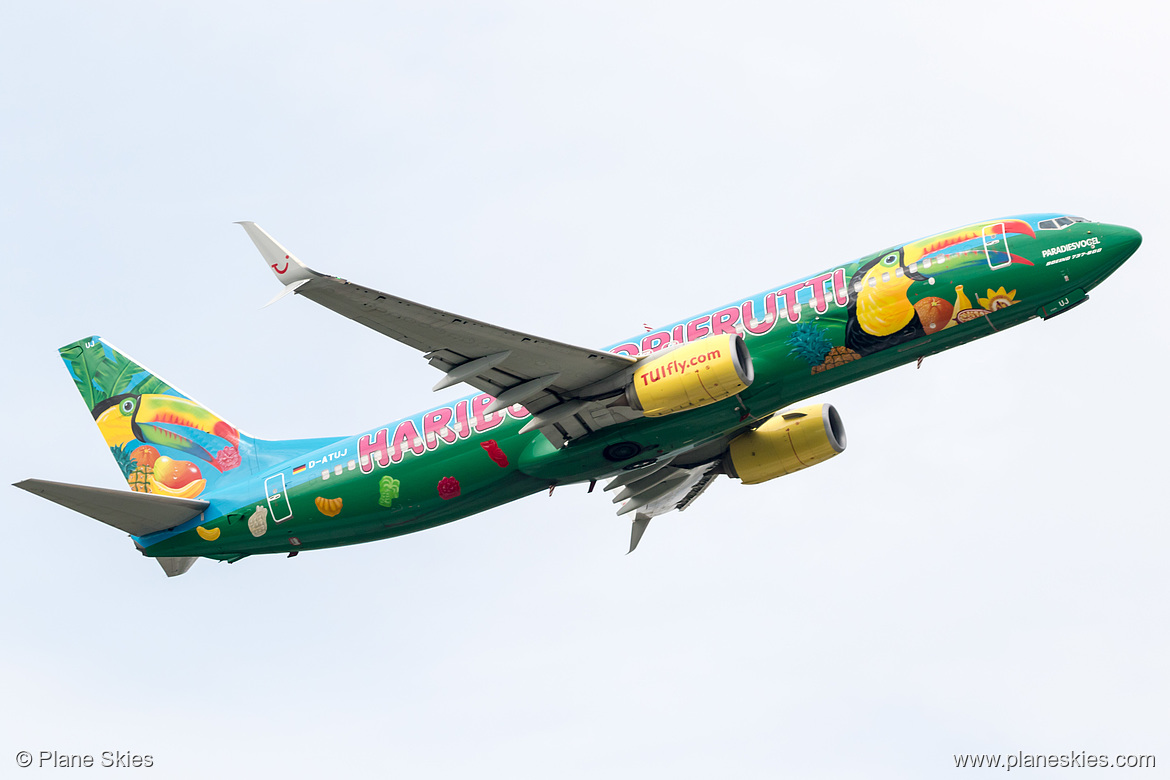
(1060,223)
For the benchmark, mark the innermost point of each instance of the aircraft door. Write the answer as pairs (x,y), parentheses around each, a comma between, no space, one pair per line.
(277,498)
(995,246)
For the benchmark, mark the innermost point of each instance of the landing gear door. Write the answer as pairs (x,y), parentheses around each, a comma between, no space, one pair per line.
(995,246)
(277,498)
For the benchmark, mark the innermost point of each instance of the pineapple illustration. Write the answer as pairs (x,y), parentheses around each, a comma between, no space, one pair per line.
(811,345)
(135,468)
(140,480)
(125,460)
(142,464)
(838,356)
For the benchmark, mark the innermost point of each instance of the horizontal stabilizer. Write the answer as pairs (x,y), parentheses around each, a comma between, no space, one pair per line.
(138,514)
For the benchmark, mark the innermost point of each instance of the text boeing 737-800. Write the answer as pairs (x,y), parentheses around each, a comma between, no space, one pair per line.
(661,416)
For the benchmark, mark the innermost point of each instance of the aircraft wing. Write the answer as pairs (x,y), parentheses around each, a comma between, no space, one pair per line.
(566,388)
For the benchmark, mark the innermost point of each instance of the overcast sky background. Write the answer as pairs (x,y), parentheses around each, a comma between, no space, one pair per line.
(984,570)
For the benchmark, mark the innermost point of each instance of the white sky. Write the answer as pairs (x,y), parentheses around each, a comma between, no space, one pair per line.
(983,571)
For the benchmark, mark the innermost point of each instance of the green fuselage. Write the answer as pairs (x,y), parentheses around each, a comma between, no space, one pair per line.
(829,329)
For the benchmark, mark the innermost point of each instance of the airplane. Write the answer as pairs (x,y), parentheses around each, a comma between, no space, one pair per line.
(660,416)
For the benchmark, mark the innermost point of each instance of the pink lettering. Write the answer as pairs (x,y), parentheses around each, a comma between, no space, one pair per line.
(791,305)
(484,422)
(629,350)
(406,438)
(655,341)
(461,419)
(762,326)
(839,289)
(377,447)
(818,288)
(437,425)
(723,321)
(518,411)
(697,328)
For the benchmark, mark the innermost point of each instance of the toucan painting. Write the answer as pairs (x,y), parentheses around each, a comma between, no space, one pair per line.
(879,313)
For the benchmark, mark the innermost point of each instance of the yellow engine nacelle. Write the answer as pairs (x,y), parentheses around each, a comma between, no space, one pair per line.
(788,442)
(693,375)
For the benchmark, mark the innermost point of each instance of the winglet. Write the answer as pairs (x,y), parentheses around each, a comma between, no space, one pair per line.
(284,264)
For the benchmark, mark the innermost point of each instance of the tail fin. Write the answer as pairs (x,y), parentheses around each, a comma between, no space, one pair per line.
(163,441)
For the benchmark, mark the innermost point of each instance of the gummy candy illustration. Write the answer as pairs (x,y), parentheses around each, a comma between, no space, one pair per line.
(258,522)
(387,490)
(495,453)
(448,488)
(209,534)
(227,459)
(330,507)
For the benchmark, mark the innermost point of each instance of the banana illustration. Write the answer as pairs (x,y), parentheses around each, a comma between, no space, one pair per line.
(208,535)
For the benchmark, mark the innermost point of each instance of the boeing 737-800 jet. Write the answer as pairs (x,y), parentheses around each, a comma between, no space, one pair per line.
(659,416)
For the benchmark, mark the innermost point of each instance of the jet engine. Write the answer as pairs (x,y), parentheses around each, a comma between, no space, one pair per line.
(692,375)
(787,442)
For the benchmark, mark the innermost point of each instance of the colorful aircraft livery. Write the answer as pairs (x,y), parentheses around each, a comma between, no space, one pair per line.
(660,416)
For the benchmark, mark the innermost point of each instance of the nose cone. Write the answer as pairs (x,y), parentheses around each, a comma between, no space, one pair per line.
(1091,252)
(1128,240)
(1119,243)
